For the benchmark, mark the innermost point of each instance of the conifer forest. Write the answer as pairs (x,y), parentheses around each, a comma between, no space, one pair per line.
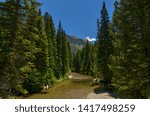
(34,54)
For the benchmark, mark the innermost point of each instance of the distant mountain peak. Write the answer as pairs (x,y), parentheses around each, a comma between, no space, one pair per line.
(90,39)
(76,43)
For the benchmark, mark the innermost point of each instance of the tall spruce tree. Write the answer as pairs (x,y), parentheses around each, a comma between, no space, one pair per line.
(104,47)
(87,60)
(94,70)
(69,56)
(33,82)
(65,54)
(77,62)
(63,51)
(8,36)
(52,47)
(129,62)
(19,41)
(50,38)
(43,77)
(59,50)
(41,60)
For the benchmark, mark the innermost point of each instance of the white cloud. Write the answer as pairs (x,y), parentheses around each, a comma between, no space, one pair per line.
(90,39)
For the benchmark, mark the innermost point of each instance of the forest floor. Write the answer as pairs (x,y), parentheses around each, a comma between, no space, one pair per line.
(78,86)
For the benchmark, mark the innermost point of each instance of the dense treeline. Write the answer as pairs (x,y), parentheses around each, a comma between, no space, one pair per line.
(84,61)
(32,53)
(121,55)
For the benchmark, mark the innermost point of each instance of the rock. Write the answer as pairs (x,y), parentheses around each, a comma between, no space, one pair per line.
(96,81)
(70,76)
(46,87)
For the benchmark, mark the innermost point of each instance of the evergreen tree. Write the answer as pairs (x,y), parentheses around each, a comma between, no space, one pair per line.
(94,70)
(53,38)
(65,54)
(87,60)
(50,39)
(104,47)
(28,48)
(129,62)
(32,48)
(77,62)
(59,55)
(52,50)
(69,55)
(63,51)
(20,46)
(10,37)
(98,30)
(41,60)
(44,76)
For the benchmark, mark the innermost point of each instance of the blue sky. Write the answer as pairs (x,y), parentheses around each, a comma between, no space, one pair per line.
(78,17)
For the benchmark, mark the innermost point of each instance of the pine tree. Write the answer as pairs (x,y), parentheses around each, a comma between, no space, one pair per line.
(98,30)
(141,17)
(11,38)
(77,62)
(87,60)
(50,38)
(53,38)
(69,55)
(104,47)
(59,50)
(41,60)
(52,50)
(94,70)
(20,46)
(129,62)
(63,53)
(33,49)
(4,48)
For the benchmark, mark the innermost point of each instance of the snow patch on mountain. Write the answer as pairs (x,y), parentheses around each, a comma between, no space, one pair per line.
(90,39)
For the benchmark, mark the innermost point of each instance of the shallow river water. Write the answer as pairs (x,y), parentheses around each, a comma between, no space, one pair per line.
(78,87)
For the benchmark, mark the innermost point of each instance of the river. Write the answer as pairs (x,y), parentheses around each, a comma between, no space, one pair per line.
(77,87)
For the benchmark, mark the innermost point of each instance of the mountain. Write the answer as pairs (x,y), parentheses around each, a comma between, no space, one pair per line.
(75,40)
(75,43)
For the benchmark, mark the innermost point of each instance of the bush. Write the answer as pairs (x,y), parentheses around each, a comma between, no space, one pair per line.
(49,78)
(57,73)
(19,90)
(34,82)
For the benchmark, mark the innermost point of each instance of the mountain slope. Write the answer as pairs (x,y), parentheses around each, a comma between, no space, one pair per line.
(75,43)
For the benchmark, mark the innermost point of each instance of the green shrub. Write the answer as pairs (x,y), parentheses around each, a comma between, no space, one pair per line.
(34,82)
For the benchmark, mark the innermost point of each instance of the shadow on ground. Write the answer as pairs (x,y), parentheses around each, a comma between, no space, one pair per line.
(101,90)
